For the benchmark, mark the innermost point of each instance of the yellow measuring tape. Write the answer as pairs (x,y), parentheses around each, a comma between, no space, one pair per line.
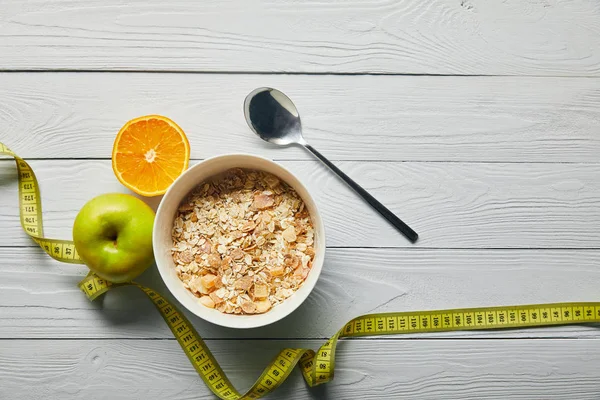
(317,367)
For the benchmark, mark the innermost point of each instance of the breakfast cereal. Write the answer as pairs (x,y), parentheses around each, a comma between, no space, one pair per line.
(243,242)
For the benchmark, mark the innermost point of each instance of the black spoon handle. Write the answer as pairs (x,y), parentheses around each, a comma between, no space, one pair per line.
(397,222)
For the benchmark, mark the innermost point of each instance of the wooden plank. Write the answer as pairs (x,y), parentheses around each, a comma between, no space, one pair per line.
(451,205)
(39,297)
(397,118)
(425,369)
(433,37)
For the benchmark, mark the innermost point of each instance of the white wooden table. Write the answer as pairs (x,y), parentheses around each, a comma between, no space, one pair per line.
(478,122)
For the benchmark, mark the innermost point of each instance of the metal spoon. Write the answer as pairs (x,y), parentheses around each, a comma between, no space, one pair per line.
(275,119)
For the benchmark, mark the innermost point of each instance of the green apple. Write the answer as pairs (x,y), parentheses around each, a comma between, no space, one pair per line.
(113,236)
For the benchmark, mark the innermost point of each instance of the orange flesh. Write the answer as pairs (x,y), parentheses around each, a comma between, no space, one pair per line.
(149,154)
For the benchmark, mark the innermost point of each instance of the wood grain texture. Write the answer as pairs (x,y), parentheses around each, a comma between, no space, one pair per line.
(424,369)
(39,297)
(434,37)
(450,205)
(396,118)
(498,174)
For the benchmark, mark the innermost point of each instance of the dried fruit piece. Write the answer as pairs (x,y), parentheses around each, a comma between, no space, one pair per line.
(260,291)
(262,306)
(219,282)
(216,299)
(249,307)
(263,201)
(208,280)
(207,301)
(276,270)
(244,283)
(196,285)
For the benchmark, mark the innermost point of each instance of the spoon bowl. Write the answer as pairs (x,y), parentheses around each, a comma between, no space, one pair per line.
(273,117)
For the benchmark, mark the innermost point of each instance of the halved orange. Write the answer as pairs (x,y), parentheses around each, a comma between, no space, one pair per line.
(149,153)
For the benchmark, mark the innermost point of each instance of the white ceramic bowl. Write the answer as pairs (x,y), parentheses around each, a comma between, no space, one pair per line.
(162,242)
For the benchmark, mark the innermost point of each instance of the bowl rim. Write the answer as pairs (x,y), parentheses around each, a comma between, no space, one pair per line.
(233,320)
